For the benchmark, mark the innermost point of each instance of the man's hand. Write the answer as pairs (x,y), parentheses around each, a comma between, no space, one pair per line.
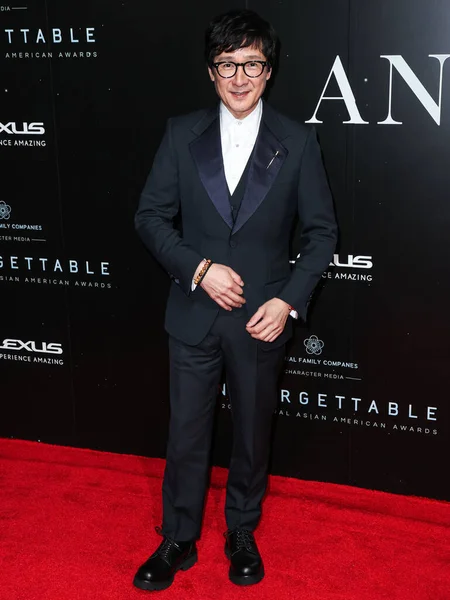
(224,286)
(269,320)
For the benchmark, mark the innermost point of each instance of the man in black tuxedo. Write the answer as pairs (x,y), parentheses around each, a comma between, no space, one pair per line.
(236,177)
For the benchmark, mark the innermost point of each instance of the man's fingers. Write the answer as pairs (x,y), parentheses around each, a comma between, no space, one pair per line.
(237,278)
(265,322)
(236,299)
(259,314)
(237,289)
(263,330)
(229,299)
(259,327)
(221,303)
(224,301)
(268,334)
(273,337)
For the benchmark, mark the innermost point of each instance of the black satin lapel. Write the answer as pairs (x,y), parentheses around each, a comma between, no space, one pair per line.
(206,151)
(262,173)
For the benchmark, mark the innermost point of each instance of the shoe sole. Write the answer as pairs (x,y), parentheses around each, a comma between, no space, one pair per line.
(246,579)
(243,579)
(162,585)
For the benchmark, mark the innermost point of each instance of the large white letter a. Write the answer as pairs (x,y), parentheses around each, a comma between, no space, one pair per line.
(347,95)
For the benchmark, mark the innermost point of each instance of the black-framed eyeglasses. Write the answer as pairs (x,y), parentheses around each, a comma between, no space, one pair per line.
(252,68)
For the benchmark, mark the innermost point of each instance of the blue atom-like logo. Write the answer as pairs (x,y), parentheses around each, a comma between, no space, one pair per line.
(5,210)
(313,345)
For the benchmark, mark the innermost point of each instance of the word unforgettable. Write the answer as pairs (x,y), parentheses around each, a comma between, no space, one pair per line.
(55,265)
(55,36)
(357,405)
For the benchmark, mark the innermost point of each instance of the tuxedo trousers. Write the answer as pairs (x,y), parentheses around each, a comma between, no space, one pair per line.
(251,380)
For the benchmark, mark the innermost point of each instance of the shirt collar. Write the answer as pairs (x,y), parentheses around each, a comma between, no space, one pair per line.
(252,120)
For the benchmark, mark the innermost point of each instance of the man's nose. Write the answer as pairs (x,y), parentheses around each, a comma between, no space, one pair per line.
(240,78)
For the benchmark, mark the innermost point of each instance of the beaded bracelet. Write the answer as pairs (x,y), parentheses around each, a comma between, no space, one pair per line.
(207,269)
(203,270)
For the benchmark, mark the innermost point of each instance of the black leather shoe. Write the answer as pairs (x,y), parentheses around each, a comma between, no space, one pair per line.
(246,565)
(158,572)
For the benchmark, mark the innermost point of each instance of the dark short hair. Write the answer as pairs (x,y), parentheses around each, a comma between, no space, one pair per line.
(239,29)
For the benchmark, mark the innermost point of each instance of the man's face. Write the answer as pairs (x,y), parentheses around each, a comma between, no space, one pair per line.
(240,93)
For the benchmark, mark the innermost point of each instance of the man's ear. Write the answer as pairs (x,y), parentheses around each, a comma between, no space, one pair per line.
(211,74)
(269,74)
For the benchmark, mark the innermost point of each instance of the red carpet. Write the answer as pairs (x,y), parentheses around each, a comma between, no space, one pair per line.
(75,525)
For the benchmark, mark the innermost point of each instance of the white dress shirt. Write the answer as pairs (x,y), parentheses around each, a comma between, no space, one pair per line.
(238,137)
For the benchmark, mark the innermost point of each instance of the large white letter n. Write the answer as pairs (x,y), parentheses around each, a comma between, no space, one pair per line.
(433,108)
(347,95)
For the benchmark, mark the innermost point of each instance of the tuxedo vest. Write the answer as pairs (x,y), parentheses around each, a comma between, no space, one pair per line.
(238,194)
(235,204)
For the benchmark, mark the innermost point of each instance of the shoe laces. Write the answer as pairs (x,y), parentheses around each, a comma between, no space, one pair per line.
(165,547)
(244,539)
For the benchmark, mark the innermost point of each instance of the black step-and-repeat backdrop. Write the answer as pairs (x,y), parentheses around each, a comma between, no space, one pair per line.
(85,91)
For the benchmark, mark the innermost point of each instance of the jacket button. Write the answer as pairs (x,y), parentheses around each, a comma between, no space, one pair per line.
(233,244)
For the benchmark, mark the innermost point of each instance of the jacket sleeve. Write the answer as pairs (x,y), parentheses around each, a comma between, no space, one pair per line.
(158,206)
(319,230)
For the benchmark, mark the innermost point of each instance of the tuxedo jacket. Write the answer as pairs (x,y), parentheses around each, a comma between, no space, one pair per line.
(184,215)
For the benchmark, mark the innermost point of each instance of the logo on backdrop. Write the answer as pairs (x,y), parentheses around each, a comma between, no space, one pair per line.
(69,42)
(310,365)
(350,267)
(24,351)
(17,232)
(343,410)
(44,270)
(5,211)
(33,270)
(21,134)
(30,346)
(313,345)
